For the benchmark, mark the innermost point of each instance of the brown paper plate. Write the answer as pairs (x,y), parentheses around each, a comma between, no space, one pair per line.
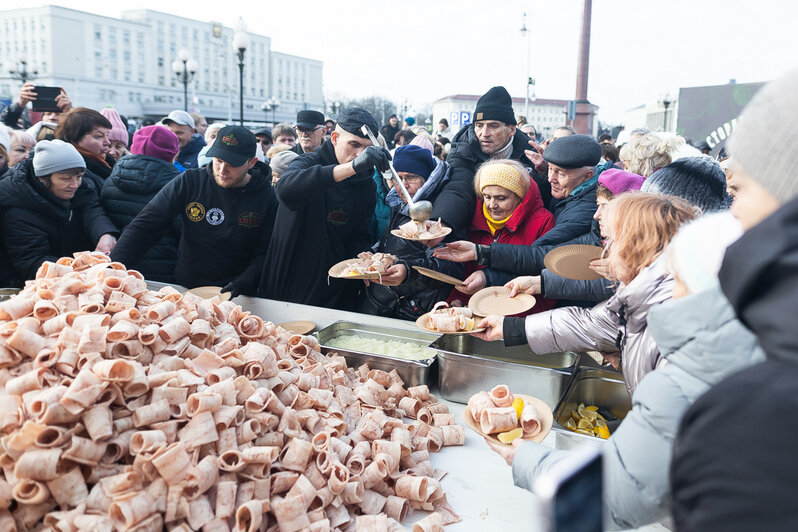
(209,292)
(546,420)
(298,327)
(438,276)
(398,233)
(421,323)
(496,300)
(336,270)
(573,262)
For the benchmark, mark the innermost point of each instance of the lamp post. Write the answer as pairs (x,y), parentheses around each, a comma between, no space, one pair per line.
(185,67)
(270,105)
(240,43)
(21,73)
(335,107)
(526,34)
(666,102)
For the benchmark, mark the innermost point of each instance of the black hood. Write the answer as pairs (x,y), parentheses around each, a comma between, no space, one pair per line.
(760,277)
(142,174)
(466,144)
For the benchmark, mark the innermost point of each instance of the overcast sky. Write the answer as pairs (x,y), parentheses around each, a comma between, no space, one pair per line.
(423,50)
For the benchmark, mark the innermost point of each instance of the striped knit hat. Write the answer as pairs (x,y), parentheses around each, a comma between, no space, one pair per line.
(766,138)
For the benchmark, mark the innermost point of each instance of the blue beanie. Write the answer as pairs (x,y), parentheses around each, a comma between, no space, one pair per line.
(413,159)
(410,120)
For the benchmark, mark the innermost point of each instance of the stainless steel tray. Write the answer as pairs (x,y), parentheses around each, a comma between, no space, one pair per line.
(600,387)
(468,365)
(413,372)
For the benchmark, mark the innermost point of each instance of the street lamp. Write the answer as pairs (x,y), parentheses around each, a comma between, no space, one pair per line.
(666,102)
(270,105)
(335,107)
(184,67)
(240,43)
(526,34)
(21,73)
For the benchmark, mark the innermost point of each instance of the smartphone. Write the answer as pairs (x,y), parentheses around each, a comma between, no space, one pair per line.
(571,492)
(45,98)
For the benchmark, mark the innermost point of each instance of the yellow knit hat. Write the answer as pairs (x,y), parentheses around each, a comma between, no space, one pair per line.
(505,176)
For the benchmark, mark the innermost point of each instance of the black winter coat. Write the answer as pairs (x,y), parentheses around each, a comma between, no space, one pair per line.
(388,132)
(418,293)
(188,155)
(319,223)
(573,217)
(39,227)
(467,155)
(224,231)
(133,182)
(96,173)
(734,466)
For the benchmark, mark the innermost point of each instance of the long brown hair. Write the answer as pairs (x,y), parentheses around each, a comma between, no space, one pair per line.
(640,226)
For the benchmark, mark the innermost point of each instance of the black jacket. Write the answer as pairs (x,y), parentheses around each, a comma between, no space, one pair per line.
(133,182)
(188,155)
(418,293)
(11,114)
(96,173)
(319,223)
(467,155)
(388,132)
(224,231)
(734,466)
(573,224)
(38,227)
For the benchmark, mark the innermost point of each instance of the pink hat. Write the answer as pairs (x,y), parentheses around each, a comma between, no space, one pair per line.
(118,130)
(424,142)
(155,141)
(618,181)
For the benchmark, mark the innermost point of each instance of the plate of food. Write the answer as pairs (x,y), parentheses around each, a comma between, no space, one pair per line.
(496,300)
(503,417)
(443,319)
(438,276)
(209,292)
(366,265)
(299,326)
(573,262)
(421,231)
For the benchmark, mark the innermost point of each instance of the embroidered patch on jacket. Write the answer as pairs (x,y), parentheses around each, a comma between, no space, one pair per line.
(250,220)
(195,211)
(215,216)
(338,217)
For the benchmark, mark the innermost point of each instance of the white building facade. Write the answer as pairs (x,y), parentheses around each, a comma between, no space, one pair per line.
(545,114)
(127,64)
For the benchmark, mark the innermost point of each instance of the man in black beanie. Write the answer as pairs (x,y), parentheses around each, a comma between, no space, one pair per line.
(492,135)
(327,201)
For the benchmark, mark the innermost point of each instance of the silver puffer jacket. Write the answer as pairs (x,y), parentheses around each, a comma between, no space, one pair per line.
(617,324)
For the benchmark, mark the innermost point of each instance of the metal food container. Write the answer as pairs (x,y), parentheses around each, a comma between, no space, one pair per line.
(599,387)
(413,372)
(468,365)
(6,293)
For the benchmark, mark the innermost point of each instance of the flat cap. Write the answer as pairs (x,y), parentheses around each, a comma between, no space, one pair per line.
(573,151)
(309,119)
(352,119)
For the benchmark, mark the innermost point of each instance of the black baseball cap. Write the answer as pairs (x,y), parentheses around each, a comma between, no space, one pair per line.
(309,119)
(234,145)
(352,119)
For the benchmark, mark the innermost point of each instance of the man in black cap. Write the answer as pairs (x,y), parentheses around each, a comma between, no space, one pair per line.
(226,212)
(390,130)
(492,135)
(309,131)
(327,202)
(264,137)
(572,164)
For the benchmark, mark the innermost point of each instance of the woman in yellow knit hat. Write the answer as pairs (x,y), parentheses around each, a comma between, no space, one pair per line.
(509,211)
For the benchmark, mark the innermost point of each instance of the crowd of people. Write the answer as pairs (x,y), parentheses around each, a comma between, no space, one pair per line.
(698,275)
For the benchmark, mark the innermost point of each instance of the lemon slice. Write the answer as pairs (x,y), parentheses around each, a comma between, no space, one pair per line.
(584,431)
(588,414)
(603,432)
(510,435)
(584,424)
(592,408)
(518,404)
(570,425)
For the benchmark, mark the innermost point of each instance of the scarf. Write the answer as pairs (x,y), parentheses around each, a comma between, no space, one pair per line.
(505,152)
(95,163)
(493,225)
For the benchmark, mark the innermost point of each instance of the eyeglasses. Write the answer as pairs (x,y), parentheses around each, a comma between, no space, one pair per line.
(301,130)
(413,180)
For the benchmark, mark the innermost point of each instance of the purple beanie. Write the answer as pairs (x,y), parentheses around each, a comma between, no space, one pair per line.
(118,130)
(155,141)
(618,181)
(413,159)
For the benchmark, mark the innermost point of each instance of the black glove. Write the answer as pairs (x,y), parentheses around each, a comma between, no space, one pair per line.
(371,157)
(232,288)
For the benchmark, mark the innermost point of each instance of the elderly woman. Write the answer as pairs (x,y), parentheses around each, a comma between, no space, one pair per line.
(48,212)
(639,227)
(649,153)
(22,143)
(702,341)
(87,130)
(509,210)
(280,162)
(403,292)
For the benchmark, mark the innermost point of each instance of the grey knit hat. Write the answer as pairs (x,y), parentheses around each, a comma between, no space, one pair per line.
(55,156)
(765,141)
(699,180)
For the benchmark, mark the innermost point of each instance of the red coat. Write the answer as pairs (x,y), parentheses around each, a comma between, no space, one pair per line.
(529,221)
